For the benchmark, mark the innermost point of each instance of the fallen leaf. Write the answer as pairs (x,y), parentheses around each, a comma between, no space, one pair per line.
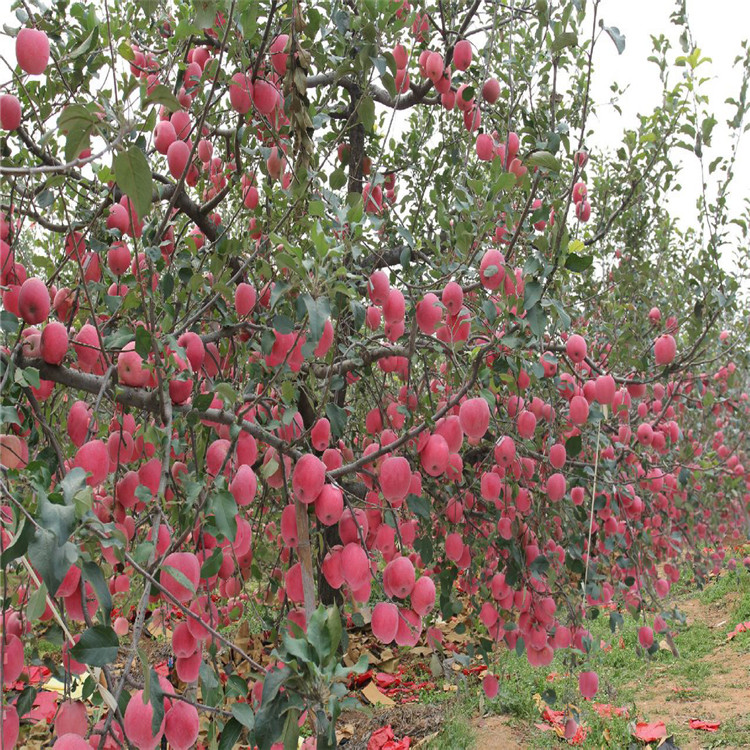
(375,697)
(344,730)
(436,668)
(426,740)
(390,665)
(76,691)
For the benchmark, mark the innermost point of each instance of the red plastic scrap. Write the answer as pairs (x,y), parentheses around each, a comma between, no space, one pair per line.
(650,732)
(44,707)
(162,669)
(743,627)
(607,710)
(358,680)
(706,726)
(556,720)
(386,680)
(385,739)
(34,675)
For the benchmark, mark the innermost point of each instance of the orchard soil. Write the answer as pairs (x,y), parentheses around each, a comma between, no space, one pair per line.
(437,702)
(710,681)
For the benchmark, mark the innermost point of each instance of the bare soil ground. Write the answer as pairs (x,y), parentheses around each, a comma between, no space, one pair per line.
(724,695)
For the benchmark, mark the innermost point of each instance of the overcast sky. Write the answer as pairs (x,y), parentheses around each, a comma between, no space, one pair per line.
(718,28)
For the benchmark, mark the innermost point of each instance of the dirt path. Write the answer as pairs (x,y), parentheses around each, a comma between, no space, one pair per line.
(498,733)
(724,692)
(710,682)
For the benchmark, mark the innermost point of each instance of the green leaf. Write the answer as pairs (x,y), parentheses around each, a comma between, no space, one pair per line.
(707,127)
(224,508)
(318,310)
(230,734)
(419,506)
(162,95)
(9,415)
(244,714)
(93,574)
(126,51)
(296,648)
(426,551)
(228,395)
(566,39)
(616,36)
(318,634)
(51,559)
(539,566)
(205,13)
(77,123)
(98,646)
(578,263)
(179,576)
(615,620)
(532,294)
(272,684)
(142,342)
(337,417)
(543,160)
(8,322)
(59,519)
(25,700)
(133,177)
(334,629)
(283,324)
(537,320)
(209,681)
(337,179)
(143,658)
(156,699)
(86,44)
(27,377)
(573,446)
(37,603)
(291,730)
(19,545)
(367,112)
(73,481)
(203,401)
(210,568)
(45,199)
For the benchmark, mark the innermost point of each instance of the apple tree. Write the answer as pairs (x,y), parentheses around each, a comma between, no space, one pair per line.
(322,312)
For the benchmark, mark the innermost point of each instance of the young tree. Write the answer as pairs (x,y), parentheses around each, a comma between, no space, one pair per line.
(330,304)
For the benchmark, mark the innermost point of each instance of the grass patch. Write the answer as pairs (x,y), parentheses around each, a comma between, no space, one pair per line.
(731,582)
(456,733)
(732,733)
(625,677)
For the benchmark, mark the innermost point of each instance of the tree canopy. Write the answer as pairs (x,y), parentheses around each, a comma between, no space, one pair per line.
(326,315)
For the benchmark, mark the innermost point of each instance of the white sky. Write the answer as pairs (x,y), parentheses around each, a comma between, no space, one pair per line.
(718,27)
